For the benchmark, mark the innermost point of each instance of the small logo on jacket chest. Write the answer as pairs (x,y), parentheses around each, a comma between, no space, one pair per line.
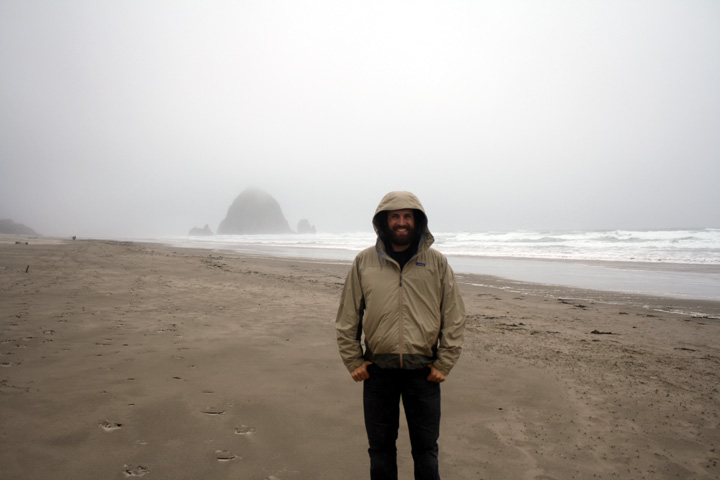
(419,264)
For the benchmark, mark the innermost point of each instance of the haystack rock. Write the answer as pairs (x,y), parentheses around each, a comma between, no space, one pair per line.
(252,212)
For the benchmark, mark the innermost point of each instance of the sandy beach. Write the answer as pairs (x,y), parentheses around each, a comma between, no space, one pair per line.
(125,360)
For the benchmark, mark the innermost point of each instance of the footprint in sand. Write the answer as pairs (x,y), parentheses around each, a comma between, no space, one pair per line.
(213,411)
(224,455)
(110,426)
(138,471)
(244,430)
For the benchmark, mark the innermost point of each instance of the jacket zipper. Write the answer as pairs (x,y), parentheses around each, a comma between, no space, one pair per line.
(400,299)
(400,302)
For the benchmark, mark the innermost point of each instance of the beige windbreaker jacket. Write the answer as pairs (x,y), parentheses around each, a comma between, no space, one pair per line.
(410,318)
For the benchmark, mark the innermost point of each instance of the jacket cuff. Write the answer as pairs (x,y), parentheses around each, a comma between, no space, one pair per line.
(441,369)
(351,368)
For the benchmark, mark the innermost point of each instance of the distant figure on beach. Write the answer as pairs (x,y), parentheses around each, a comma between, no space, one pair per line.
(403,296)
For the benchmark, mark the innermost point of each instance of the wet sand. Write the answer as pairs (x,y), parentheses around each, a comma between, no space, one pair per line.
(121,360)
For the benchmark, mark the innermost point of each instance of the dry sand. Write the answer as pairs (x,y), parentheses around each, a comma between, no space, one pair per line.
(122,359)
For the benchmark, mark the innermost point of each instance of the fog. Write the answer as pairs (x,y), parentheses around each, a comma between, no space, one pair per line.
(146,118)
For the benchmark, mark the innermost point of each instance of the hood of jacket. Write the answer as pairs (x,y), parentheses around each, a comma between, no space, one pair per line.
(401,200)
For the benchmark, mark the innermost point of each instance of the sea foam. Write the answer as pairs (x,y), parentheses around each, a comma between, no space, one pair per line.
(664,246)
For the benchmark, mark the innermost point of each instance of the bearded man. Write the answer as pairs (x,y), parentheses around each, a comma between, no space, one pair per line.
(402,297)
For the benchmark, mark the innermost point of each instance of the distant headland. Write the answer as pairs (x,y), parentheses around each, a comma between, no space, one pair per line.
(9,227)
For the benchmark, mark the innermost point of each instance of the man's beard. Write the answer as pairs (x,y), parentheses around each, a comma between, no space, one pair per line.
(402,239)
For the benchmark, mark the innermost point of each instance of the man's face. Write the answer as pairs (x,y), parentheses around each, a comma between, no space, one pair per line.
(401,224)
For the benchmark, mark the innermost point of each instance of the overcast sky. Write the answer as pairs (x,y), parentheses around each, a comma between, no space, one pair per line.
(143,118)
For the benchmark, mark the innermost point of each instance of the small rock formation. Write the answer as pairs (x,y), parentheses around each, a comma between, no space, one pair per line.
(201,231)
(8,227)
(253,212)
(305,227)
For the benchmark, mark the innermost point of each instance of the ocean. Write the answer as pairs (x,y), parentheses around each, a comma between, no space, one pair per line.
(669,263)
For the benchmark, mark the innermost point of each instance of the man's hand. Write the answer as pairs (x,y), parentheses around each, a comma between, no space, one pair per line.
(361,373)
(436,375)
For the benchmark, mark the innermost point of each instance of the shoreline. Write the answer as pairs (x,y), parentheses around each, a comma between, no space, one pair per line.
(692,307)
(121,359)
(506,273)
(672,280)
(682,282)
(696,307)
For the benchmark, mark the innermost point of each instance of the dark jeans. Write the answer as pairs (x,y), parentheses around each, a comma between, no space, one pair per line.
(421,400)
